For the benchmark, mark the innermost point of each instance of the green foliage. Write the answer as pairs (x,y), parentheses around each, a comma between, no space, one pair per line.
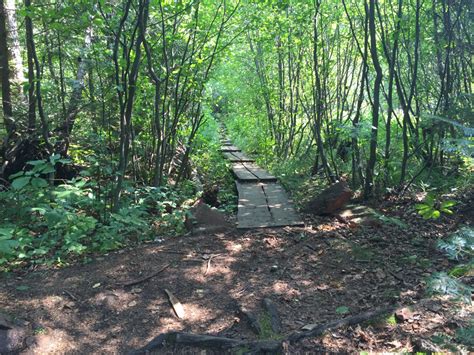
(466,335)
(442,284)
(342,310)
(33,177)
(459,245)
(56,224)
(431,208)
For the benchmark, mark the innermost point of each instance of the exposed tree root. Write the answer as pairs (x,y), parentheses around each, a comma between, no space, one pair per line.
(256,347)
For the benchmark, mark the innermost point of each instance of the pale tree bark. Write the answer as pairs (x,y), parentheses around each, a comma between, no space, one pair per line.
(369,176)
(16,62)
(65,129)
(5,74)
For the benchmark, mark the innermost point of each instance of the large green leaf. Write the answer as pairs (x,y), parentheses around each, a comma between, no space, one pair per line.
(21,182)
(39,182)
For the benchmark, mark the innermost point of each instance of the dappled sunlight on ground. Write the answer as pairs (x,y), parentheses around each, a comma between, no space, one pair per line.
(309,273)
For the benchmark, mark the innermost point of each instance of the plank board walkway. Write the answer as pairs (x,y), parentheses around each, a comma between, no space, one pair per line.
(250,172)
(229,148)
(265,205)
(262,200)
(238,157)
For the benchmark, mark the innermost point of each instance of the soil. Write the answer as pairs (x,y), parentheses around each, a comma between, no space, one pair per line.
(322,272)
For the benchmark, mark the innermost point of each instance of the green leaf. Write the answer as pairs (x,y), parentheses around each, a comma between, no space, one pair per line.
(446,210)
(36,162)
(447,204)
(20,182)
(20,173)
(7,246)
(47,169)
(39,182)
(342,310)
(6,231)
(22,288)
(430,199)
(436,214)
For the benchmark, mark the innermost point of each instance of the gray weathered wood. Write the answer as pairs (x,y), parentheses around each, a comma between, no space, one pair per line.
(264,205)
(281,206)
(236,157)
(229,148)
(249,172)
(262,202)
(253,209)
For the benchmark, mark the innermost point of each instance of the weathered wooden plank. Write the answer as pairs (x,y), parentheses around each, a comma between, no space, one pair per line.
(243,174)
(238,157)
(253,210)
(281,207)
(247,172)
(265,205)
(229,148)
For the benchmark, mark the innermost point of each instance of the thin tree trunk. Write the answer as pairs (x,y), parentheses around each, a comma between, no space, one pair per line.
(369,175)
(65,129)
(5,74)
(126,119)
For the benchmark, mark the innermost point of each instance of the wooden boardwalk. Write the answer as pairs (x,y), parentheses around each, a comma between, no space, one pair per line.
(262,200)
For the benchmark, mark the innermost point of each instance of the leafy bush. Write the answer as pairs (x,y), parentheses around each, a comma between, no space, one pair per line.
(431,208)
(458,246)
(47,224)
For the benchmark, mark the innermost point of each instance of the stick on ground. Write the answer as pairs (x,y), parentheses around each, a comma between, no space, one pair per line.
(146,278)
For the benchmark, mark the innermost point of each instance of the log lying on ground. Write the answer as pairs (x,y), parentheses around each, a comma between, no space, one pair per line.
(256,347)
(209,341)
(357,319)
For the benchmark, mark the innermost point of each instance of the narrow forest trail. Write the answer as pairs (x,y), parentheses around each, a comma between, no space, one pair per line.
(262,200)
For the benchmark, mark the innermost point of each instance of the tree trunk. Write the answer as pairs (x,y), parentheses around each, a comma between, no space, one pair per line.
(126,119)
(5,74)
(30,48)
(369,178)
(64,131)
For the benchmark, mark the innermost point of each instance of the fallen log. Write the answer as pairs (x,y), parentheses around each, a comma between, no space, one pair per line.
(209,341)
(357,319)
(256,347)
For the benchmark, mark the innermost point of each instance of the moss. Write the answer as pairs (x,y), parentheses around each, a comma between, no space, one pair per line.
(361,253)
(266,326)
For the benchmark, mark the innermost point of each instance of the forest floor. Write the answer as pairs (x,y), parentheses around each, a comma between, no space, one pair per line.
(325,271)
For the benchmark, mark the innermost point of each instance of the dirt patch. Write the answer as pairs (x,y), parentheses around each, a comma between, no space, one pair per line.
(325,271)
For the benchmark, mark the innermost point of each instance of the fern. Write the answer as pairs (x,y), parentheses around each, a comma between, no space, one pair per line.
(442,284)
(459,245)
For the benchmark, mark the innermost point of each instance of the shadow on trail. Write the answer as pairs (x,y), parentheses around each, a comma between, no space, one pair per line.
(312,275)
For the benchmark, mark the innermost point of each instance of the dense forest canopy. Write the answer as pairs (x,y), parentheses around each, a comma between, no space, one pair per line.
(109,105)
(288,176)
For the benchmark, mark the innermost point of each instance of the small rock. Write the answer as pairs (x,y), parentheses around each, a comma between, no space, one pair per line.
(136,290)
(132,304)
(404,314)
(12,340)
(274,268)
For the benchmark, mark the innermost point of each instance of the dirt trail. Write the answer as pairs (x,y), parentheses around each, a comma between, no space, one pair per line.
(309,274)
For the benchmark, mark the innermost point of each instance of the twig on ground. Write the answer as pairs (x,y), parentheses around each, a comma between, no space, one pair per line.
(209,262)
(74,298)
(146,278)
